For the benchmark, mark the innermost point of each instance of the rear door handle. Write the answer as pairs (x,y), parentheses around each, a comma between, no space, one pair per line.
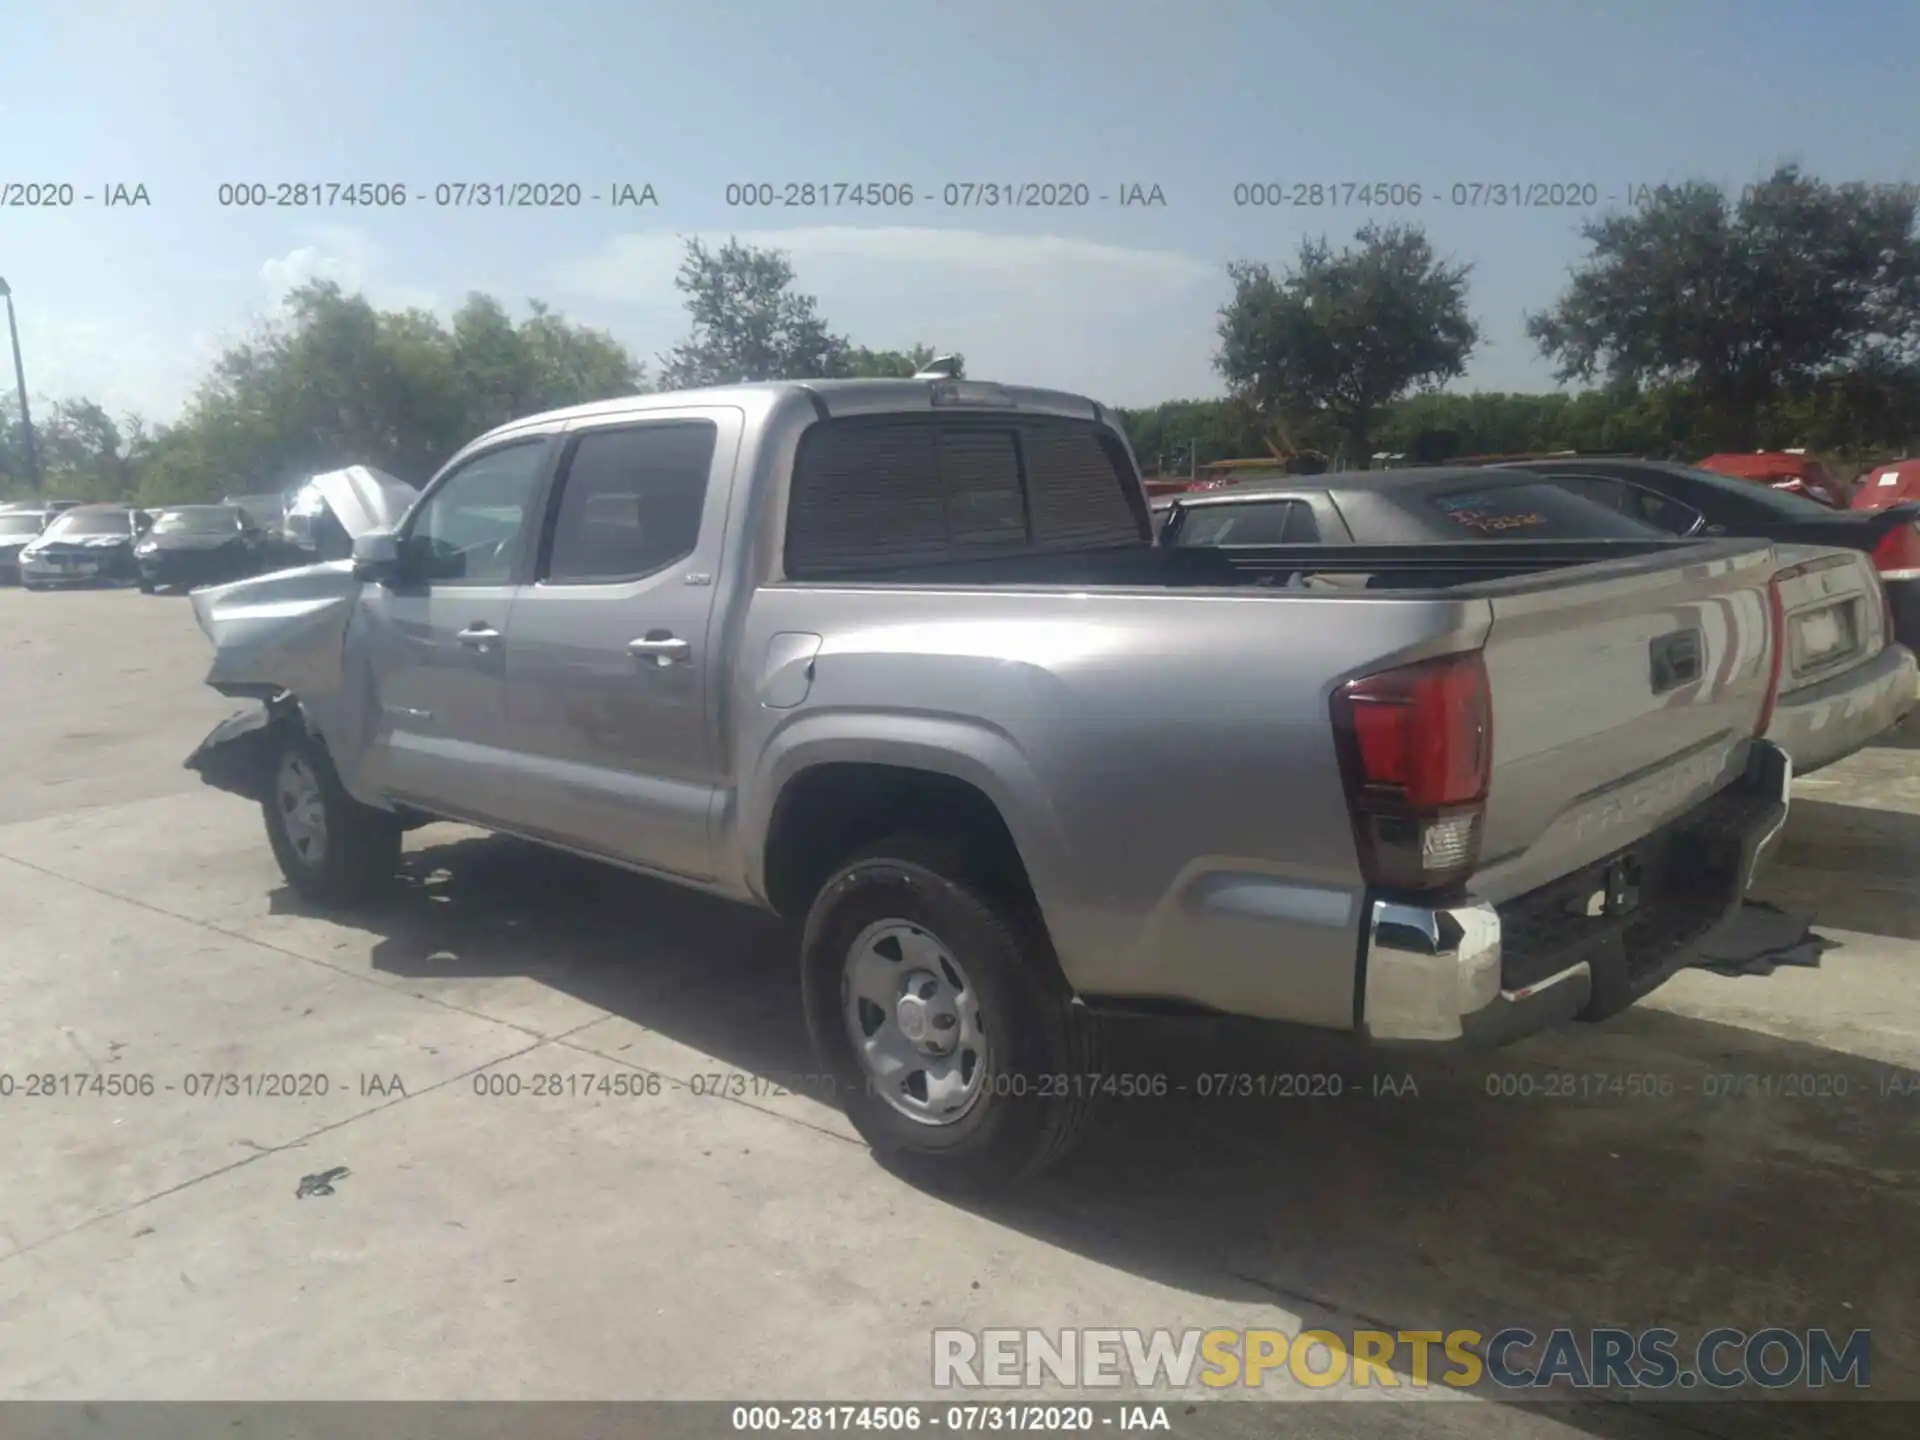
(478,636)
(662,649)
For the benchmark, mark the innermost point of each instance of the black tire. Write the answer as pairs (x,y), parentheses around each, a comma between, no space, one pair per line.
(359,855)
(146,586)
(1041,1052)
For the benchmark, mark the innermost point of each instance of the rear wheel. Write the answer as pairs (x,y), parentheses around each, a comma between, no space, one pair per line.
(333,850)
(933,1000)
(146,586)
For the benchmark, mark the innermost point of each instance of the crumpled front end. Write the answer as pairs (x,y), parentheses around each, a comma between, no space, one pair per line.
(281,639)
(284,631)
(238,755)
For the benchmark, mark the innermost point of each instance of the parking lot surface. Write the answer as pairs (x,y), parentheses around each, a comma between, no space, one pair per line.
(416,1222)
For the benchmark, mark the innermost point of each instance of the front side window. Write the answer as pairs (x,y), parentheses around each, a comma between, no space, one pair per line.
(1598,489)
(468,531)
(1662,511)
(630,501)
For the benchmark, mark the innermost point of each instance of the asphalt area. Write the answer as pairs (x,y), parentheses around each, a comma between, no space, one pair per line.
(419,1231)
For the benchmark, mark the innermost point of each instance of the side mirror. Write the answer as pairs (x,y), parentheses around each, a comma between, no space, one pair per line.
(376,557)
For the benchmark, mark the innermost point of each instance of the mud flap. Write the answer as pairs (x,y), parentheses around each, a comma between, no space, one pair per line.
(237,755)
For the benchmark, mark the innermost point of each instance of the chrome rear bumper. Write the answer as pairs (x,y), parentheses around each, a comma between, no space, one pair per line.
(1442,974)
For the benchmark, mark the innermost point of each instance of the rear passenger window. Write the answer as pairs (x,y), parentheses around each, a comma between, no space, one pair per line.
(630,501)
(901,492)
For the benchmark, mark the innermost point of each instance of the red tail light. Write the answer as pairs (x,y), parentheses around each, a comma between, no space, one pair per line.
(1416,754)
(1777,643)
(1897,556)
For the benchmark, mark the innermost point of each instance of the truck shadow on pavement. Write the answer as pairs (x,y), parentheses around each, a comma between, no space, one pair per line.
(1853,867)
(1656,1170)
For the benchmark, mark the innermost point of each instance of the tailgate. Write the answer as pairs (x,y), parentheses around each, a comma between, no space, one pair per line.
(1623,694)
(1836,618)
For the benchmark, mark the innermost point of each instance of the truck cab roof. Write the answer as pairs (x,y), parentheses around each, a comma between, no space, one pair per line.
(831,399)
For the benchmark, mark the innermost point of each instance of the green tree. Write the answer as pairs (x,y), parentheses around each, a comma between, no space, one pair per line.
(862,363)
(1742,311)
(1178,434)
(84,453)
(1328,345)
(748,322)
(337,382)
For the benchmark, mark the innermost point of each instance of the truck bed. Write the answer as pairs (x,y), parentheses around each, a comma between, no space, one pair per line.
(1627,677)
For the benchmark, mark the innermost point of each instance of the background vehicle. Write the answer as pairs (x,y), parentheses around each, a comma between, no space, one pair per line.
(17,527)
(1787,470)
(198,545)
(86,545)
(1684,500)
(1896,483)
(268,510)
(1219,474)
(900,657)
(1843,683)
(1445,505)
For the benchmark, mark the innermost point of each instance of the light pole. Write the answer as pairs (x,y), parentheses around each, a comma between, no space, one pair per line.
(20,379)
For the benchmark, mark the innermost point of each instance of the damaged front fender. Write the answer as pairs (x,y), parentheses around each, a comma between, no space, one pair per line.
(283,631)
(238,756)
(280,638)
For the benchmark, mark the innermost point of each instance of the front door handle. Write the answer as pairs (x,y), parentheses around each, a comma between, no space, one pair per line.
(659,647)
(478,636)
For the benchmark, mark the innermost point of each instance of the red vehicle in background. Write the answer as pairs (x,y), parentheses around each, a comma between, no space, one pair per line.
(1789,470)
(1894,483)
(1221,473)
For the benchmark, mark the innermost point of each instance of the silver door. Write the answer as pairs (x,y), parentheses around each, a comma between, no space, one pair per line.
(610,680)
(434,641)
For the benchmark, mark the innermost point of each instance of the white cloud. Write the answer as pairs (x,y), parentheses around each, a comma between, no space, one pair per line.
(351,260)
(639,269)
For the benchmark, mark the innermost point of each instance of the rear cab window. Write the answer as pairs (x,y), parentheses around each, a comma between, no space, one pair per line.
(1536,510)
(907,491)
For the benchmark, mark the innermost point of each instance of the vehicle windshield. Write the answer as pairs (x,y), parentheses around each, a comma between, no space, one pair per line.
(92,522)
(28,524)
(196,520)
(1535,511)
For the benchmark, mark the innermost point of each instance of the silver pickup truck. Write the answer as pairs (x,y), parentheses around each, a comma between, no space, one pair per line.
(899,659)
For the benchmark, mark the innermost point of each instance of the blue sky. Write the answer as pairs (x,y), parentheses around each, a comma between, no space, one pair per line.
(129,305)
